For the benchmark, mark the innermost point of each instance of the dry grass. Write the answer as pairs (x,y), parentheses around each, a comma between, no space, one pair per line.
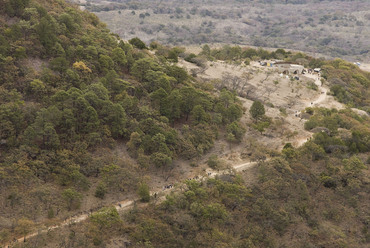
(335,28)
(276,92)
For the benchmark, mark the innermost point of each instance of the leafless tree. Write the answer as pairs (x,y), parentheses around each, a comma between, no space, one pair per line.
(236,83)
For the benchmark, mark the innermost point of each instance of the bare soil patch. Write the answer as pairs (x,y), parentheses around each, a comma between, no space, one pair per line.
(285,99)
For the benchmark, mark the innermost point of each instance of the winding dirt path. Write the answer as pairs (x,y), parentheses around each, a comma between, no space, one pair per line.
(161,193)
(126,205)
(324,99)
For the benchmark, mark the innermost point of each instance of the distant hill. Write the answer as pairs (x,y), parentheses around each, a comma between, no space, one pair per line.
(335,28)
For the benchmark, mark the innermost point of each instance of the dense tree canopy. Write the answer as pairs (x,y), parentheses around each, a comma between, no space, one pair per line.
(70,89)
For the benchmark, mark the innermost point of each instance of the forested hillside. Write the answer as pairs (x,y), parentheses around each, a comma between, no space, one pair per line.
(87,120)
(70,92)
(313,196)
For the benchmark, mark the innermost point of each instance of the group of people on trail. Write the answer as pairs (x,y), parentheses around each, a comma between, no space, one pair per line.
(169,186)
(194,178)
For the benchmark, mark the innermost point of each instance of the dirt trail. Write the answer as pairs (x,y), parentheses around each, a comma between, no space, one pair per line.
(365,67)
(160,193)
(127,204)
(322,100)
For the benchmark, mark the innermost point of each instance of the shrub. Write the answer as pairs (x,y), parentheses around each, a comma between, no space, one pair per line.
(143,192)
(189,58)
(136,42)
(106,218)
(101,190)
(213,161)
(257,110)
(72,198)
(309,110)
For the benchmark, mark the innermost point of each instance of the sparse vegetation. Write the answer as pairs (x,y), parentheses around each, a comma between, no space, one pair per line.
(142,154)
(335,27)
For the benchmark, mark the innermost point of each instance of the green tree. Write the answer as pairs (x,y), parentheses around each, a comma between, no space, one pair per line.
(12,122)
(233,113)
(72,199)
(178,73)
(86,116)
(257,110)
(159,97)
(188,97)
(134,144)
(50,137)
(59,64)
(158,144)
(249,53)
(314,151)
(106,63)
(15,7)
(114,116)
(172,56)
(157,79)
(171,106)
(143,192)
(119,57)
(101,190)
(236,131)
(215,211)
(106,218)
(199,114)
(46,32)
(136,42)
(214,162)
(37,89)
(42,132)
(58,50)
(206,50)
(68,21)
(360,141)
(142,66)
(353,164)
(24,226)
(160,160)
(260,126)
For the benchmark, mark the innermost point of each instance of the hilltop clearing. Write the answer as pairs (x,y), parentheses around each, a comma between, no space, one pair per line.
(284,97)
